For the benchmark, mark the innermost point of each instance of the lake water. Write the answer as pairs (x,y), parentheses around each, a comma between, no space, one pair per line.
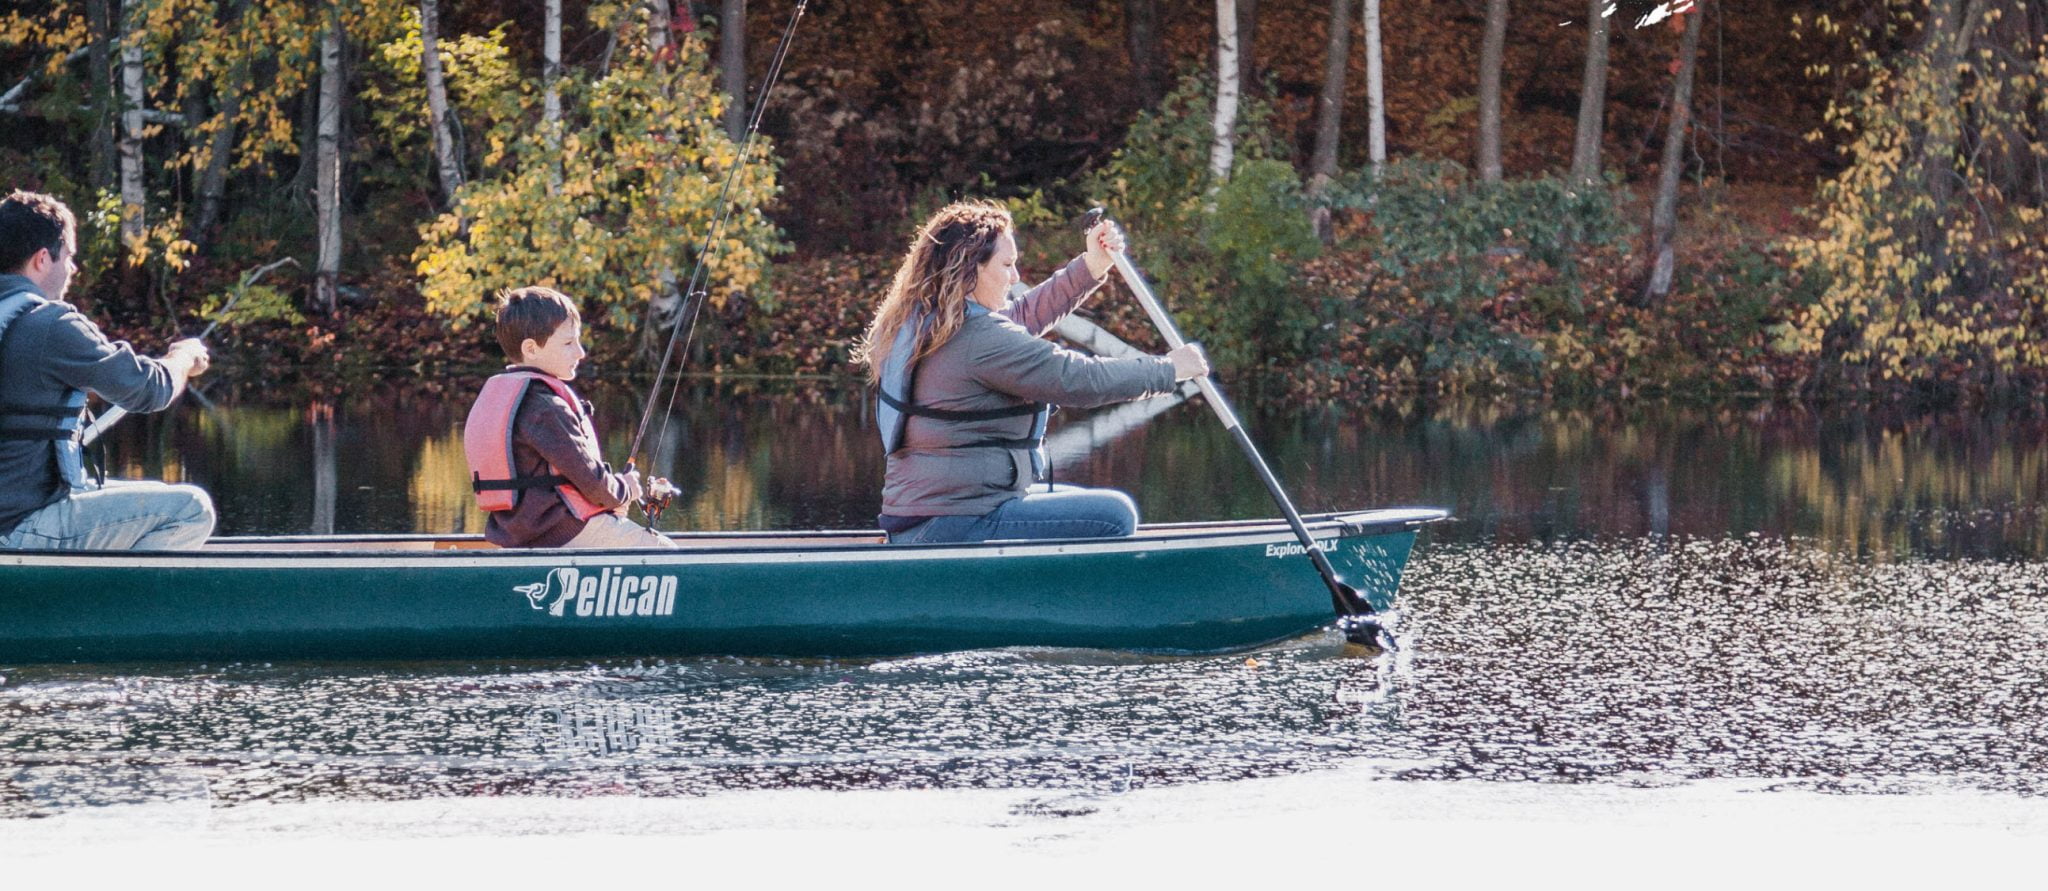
(1766,626)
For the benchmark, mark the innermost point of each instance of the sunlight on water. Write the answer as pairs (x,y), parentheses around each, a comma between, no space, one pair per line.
(1639,662)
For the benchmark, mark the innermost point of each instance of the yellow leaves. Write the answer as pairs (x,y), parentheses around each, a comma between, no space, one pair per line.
(610,208)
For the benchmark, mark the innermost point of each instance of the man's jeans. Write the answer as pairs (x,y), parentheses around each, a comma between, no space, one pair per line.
(123,515)
(1064,512)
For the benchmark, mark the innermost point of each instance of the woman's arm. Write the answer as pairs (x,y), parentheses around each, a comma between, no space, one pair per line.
(1043,306)
(1016,364)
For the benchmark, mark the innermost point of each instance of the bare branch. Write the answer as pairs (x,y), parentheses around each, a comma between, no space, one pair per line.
(11,100)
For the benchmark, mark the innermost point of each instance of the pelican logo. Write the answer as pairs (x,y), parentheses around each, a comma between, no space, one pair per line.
(607,592)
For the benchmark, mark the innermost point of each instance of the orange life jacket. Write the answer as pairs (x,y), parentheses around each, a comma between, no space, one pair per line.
(487,443)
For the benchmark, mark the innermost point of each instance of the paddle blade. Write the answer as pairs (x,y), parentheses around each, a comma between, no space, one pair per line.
(1357,620)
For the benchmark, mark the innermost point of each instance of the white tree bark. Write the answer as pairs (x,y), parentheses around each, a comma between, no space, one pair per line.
(1225,144)
(1375,90)
(551,69)
(327,164)
(660,15)
(438,116)
(134,197)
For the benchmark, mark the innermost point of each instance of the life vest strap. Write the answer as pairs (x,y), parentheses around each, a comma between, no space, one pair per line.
(940,414)
(1001,444)
(479,484)
(43,435)
(40,411)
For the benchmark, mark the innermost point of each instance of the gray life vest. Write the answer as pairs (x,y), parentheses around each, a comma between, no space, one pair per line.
(893,412)
(56,423)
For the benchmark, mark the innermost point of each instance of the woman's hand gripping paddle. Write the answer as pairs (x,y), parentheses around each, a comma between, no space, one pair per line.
(1355,616)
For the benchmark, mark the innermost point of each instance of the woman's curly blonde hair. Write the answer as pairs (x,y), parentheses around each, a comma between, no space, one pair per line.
(936,279)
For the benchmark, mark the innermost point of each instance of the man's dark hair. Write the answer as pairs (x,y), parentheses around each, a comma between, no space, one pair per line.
(30,222)
(531,313)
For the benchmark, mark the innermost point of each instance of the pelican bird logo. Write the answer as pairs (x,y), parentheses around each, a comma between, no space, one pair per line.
(560,584)
(535,593)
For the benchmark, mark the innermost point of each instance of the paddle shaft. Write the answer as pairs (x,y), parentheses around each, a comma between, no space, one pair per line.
(1347,602)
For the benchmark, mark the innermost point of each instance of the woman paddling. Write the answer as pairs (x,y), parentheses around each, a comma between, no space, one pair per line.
(966,383)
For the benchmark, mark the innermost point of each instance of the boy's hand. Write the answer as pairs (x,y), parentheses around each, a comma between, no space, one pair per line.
(633,490)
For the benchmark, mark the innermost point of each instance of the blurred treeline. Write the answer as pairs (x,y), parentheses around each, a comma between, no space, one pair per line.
(1814,197)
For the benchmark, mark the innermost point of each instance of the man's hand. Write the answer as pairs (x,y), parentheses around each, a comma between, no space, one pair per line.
(190,355)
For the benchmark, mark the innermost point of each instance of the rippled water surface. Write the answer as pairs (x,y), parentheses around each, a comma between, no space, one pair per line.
(1631,598)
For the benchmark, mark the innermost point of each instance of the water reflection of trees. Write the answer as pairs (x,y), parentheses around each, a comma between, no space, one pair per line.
(783,455)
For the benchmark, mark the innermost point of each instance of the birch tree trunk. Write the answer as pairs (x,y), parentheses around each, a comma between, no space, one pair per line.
(732,60)
(1375,90)
(1592,98)
(1141,35)
(1491,49)
(551,70)
(1664,218)
(134,198)
(327,189)
(446,160)
(1225,145)
(1329,115)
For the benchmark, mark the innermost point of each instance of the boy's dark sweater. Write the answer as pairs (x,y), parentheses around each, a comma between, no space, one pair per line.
(545,434)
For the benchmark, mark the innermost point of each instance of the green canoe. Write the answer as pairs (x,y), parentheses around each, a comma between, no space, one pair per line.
(1178,587)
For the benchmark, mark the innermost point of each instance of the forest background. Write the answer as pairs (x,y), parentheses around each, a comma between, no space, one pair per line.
(1817,198)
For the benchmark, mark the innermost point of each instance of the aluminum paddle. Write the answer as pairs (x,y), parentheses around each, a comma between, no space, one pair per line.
(1355,616)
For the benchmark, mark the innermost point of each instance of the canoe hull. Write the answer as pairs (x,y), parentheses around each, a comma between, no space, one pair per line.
(1188,589)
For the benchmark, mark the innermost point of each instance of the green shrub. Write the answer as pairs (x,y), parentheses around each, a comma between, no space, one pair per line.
(1224,256)
(1449,244)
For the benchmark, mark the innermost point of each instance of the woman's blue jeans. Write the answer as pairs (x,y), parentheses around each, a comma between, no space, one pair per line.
(1064,512)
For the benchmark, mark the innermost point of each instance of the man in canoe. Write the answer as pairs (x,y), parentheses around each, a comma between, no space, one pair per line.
(532,449)
(967,380)
(50,357)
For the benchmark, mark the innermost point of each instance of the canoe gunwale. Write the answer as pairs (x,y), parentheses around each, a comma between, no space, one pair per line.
(714,546)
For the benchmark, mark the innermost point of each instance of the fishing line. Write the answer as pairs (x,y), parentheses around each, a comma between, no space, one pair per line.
(694,294)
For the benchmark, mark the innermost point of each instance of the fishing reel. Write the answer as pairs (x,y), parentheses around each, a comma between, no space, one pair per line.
(655,495)
(659,494)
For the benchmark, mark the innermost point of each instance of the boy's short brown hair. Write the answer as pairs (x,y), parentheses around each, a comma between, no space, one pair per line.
(531,313)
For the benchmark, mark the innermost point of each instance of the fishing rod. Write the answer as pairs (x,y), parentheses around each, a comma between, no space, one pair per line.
(113,415)
(694,293)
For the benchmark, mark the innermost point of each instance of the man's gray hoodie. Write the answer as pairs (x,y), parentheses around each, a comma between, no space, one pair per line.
(45,354)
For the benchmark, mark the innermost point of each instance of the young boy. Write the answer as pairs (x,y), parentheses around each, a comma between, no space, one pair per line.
(533,452)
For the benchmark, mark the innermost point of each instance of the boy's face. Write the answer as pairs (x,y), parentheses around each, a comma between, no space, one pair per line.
(560,355)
